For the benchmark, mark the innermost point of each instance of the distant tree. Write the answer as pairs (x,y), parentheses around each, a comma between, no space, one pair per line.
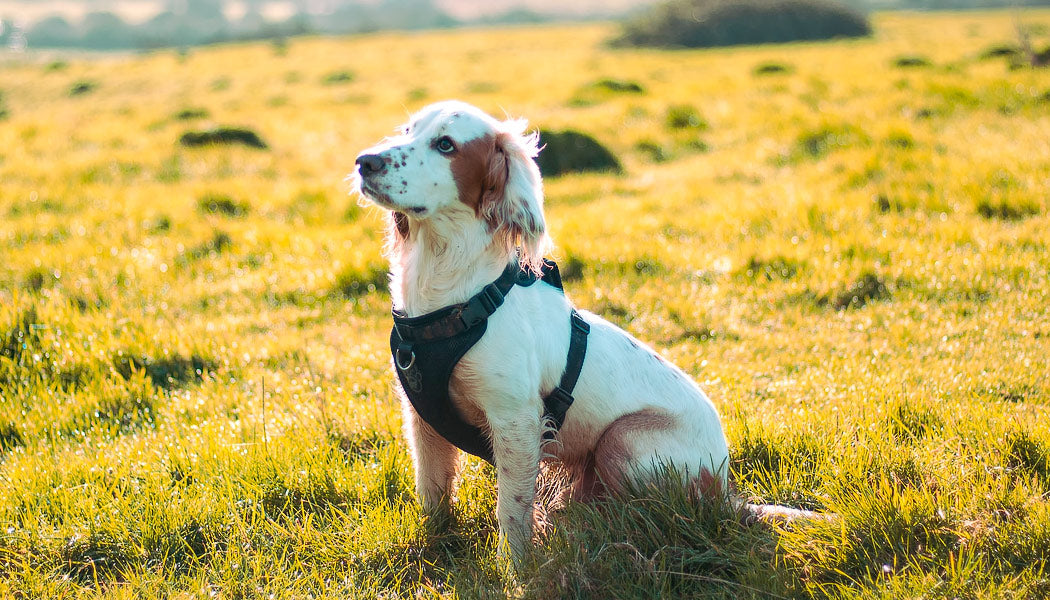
(53,32)
(386,14)
(515,16)
(707,23)
(106,31)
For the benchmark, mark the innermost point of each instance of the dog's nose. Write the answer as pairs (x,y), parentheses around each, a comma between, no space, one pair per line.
(369,164)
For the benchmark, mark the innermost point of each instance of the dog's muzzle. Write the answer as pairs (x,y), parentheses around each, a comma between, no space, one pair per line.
(370,164)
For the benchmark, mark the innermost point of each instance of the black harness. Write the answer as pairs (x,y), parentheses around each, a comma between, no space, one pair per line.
(427,348)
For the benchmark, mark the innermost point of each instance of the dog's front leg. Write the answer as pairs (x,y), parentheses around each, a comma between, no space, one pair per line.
(516,435)
(434,458)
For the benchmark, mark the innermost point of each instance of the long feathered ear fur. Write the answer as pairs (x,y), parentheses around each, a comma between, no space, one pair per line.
(512,200)
(397,233)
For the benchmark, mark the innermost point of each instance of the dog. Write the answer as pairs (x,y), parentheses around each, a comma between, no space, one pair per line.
(464,199)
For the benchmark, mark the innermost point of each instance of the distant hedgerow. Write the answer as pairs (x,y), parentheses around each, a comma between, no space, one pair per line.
(709,23)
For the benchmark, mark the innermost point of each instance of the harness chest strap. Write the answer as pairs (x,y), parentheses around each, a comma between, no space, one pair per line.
(560,399)
(426,349)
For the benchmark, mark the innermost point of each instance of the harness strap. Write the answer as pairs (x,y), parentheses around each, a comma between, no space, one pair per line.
(557,402)
(458,318)
(427,348)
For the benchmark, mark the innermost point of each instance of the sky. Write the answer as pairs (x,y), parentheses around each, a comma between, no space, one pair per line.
(136,11)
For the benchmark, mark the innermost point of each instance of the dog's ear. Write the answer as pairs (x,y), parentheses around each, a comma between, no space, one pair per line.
(512,195)
(397,231)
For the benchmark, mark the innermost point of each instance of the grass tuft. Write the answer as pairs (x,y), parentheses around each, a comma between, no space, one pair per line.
(10,436)
(353,282)
(910,423)
(83,87)
(191,114)
(771,68)
(223,136)
(1027,454)
(619,86)
(1007,209)
(636,547)
(817,143)
(773,268)
(219,243)
(166,370)
(221,204)
(911,61)
(99,557)
(684,116)
(21,335)
(572,268)
(868,288)
(338,77)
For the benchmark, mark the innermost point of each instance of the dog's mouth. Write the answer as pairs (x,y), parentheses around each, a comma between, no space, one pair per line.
(384,201)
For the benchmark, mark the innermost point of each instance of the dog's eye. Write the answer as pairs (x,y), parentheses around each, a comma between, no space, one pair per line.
(445,145)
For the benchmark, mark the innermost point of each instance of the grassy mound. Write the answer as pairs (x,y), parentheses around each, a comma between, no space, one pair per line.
(574,152)
(709,23)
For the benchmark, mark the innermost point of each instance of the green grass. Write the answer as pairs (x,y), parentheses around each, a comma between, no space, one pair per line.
(195,394)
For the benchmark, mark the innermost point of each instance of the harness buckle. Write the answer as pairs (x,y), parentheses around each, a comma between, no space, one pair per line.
(482,306)
(579,324)
(557,404)
(491,298)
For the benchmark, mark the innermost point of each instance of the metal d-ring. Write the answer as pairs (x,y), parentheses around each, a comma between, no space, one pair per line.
(411,361)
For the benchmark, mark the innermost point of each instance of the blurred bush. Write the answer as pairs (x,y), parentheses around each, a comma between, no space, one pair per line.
(573,152)
(221,204)
(708,23)
(223,135)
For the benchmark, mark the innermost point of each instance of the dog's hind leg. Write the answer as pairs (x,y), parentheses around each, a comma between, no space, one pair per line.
(639,445)
(435,461)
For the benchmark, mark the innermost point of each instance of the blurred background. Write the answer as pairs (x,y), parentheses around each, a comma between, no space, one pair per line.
(144,24)
(833,216)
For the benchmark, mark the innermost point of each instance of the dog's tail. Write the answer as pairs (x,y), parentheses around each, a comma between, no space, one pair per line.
(779,515)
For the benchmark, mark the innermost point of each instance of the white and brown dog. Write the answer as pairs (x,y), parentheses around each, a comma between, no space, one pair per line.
(465,199)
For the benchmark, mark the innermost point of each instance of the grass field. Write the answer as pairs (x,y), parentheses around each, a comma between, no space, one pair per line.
(850,254)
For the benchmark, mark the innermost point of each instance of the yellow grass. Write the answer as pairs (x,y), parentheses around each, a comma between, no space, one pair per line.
(919,412)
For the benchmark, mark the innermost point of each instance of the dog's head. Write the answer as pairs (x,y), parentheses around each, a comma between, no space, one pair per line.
(453,161)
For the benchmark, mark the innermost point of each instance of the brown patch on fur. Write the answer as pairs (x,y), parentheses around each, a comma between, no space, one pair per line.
(613,452)
(708,486)
(400,225)
(584,486)
(479,168)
